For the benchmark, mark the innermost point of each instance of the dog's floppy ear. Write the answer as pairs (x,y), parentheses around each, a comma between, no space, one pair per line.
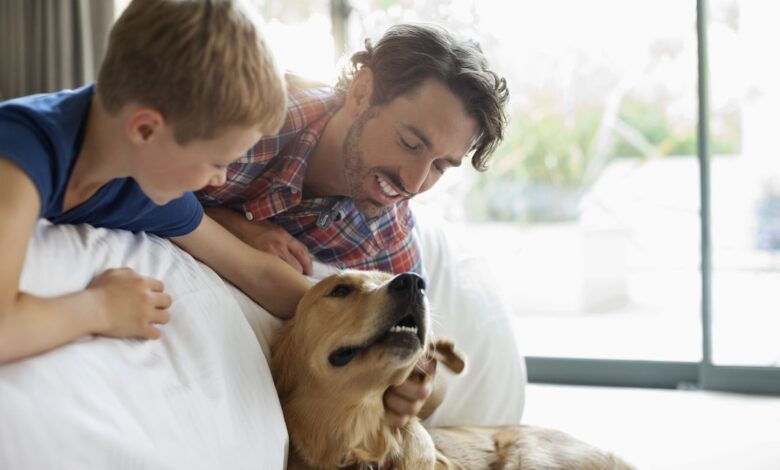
(444,351)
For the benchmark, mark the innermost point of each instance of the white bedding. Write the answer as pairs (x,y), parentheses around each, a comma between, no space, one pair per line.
(202,395)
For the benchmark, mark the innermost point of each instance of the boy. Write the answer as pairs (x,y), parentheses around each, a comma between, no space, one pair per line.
(186,87)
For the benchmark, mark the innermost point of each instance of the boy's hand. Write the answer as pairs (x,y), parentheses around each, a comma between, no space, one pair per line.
(405,401)
(131,304)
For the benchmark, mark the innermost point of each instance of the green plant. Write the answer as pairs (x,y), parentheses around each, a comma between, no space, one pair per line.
(550,158)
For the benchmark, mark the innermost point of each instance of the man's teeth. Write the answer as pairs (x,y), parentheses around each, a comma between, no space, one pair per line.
(387,190)
(399,329)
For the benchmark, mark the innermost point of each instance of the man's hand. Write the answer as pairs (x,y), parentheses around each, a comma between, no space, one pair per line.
(406,400)
(269,237)
(265,236)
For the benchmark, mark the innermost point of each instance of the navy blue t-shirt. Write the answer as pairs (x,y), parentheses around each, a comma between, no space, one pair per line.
(43,134)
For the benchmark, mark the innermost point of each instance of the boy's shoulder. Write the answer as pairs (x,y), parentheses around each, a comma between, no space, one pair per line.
(50,104)
(42,134)
(54,118)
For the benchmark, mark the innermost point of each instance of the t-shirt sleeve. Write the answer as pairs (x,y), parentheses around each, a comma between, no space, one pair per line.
(28,147)
(179,217)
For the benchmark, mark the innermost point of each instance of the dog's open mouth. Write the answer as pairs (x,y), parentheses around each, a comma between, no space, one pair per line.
(406,327)
(406,333)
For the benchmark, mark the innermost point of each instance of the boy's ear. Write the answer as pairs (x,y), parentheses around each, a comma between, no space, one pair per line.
(444,351)
(360,90)
(144,124)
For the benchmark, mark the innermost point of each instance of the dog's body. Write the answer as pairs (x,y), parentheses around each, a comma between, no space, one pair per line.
(517,448)
(354,335)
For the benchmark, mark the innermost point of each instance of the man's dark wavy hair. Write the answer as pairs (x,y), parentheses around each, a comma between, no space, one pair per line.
(408,54)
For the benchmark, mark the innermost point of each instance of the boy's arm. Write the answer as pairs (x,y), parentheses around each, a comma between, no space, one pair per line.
(30,325)
(268,280)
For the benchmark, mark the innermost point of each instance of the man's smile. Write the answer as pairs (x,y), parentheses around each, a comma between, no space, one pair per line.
(386,191)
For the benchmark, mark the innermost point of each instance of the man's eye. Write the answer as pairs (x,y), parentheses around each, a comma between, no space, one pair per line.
(341,290)
(408,146)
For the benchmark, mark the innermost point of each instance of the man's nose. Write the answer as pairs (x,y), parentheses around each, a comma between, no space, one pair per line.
(415,177)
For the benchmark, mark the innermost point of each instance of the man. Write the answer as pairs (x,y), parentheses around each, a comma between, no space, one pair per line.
(335,182)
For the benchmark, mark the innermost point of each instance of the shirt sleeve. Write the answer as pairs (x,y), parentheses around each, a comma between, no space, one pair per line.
(177,218)
(27,146)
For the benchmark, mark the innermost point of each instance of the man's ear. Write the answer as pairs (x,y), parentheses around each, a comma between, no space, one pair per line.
(144,124)
(359,94)
(444,351)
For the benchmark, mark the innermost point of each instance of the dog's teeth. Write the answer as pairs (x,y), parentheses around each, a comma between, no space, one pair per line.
(399,328)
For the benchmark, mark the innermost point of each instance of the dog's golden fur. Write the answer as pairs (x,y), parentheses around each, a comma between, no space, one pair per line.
(333,362)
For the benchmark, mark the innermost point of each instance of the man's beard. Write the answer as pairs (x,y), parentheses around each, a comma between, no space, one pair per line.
(355,171)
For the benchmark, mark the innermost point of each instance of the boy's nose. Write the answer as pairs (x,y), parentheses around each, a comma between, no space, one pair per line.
(218,179)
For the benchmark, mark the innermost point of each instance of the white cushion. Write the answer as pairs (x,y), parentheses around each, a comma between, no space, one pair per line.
(468,306)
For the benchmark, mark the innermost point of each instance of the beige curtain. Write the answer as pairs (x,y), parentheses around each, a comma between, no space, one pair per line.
(48,45)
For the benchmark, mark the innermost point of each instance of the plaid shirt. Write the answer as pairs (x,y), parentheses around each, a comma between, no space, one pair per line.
(267,183)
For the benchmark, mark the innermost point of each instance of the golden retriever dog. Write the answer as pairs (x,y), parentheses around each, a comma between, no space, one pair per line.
(354,335)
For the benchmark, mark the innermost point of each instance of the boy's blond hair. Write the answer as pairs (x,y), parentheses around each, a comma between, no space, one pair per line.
(201,63)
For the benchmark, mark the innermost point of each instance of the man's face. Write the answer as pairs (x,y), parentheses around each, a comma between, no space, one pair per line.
(396,151)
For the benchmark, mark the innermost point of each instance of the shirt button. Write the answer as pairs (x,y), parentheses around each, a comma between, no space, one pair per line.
(293,191)
(248,215)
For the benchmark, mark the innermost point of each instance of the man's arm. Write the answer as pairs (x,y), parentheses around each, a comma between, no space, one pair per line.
(117,303)
(268,280)
(265,236)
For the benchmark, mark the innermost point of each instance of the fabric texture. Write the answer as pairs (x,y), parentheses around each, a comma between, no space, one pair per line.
(43,135)
(200,397)
(267,184)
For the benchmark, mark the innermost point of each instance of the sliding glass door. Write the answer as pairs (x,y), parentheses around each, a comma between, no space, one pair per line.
(744,320)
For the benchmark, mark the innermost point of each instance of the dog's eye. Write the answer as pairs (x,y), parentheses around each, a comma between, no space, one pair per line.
(343,356)
(341,290)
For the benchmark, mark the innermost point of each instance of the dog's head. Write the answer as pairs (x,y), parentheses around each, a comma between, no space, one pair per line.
(354,322)
(354,334)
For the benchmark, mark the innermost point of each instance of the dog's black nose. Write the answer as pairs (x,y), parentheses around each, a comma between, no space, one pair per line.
(406,282)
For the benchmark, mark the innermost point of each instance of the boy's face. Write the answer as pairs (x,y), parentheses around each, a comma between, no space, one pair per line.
(401,149)
(167,170)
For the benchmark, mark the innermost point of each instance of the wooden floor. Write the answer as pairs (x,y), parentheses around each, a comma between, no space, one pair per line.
(665,429)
